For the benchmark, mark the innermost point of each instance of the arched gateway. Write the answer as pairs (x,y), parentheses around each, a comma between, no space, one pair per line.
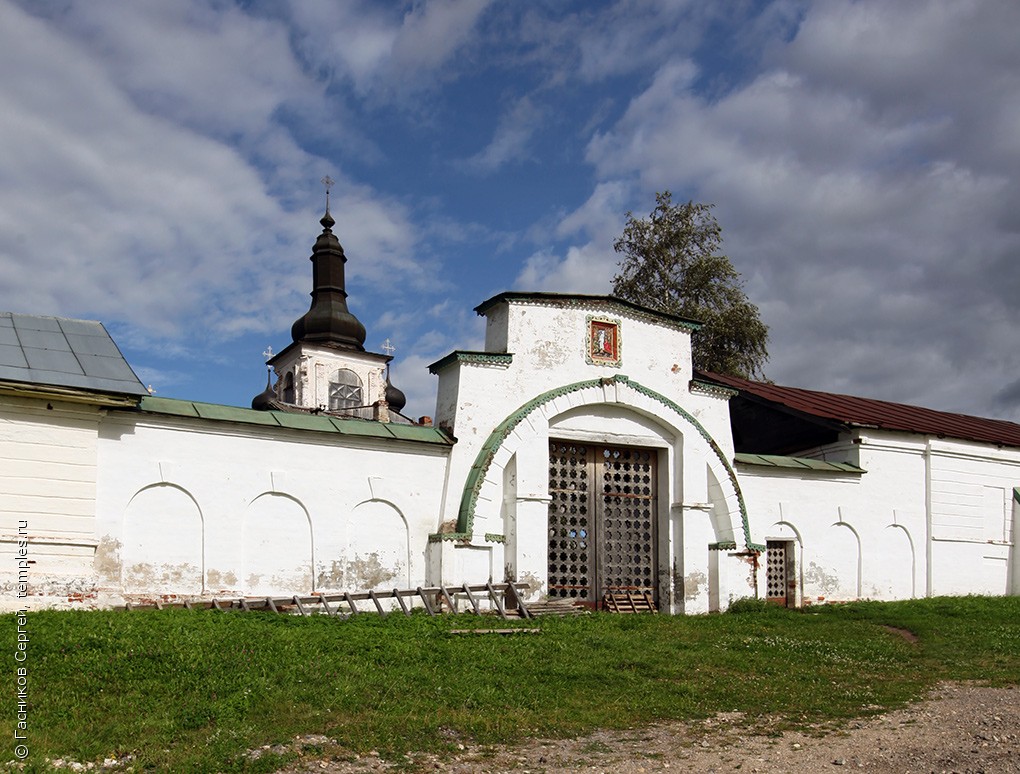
(591,486)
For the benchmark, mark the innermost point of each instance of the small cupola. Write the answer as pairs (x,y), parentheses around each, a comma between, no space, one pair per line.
(394,397)
(266,399)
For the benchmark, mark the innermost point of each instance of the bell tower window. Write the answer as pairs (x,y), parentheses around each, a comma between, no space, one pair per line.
(288,388)
(344,390)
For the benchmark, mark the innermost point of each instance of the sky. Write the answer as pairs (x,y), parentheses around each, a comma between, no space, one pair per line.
(160,167)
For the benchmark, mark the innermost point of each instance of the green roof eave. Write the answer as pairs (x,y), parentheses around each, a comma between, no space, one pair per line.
(797,463)
(320,423)
(501,359)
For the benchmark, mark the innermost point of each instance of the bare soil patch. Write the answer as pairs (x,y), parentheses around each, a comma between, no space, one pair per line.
(958,728)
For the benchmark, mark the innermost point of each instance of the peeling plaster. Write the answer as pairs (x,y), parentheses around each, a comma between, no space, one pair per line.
(549,354)
(534,584)
(693,583)
(108,564)
(172,578)
(818,579)
(220,581)
(363,572)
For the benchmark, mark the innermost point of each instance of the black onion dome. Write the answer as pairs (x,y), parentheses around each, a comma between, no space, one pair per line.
(394,397)
(264,400)
(328,320)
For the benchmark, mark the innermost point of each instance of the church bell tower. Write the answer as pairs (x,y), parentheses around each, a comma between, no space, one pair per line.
(326,368)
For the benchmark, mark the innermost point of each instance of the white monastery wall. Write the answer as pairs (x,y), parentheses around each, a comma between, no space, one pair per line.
(101,505)
(47,500)
(929,517)
(192,506)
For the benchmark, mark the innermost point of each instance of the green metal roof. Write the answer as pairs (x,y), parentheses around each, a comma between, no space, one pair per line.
(293,421)
(796,463)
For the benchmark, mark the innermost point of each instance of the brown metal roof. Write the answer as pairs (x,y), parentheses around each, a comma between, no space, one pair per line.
(867,412)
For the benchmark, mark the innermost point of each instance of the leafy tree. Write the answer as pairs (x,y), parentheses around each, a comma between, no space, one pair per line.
(671,264)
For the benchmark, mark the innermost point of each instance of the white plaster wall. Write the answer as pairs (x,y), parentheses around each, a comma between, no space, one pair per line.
(973,518)
(929,517)
(263,510)
(47,490)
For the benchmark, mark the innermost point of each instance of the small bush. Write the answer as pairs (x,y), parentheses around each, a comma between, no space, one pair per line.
(750,605)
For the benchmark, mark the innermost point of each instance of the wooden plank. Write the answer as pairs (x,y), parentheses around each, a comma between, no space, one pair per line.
(325,605)
(425,601)
(496,600)
(449,600)
(519,630)
(522,609)
(350,601)
(471,599)
(400,601)
(378,604)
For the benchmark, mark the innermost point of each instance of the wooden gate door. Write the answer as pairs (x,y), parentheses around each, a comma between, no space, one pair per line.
(602,521)
(779,577)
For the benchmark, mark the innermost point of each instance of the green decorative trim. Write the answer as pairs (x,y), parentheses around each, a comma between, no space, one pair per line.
(726,545)
(492,537)
(713,389)
(1016,494)
(478,358)
(591,302)
(476,476)
(440,537)
(797,463)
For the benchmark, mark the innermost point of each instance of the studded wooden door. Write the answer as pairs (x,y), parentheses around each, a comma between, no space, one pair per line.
(602,521)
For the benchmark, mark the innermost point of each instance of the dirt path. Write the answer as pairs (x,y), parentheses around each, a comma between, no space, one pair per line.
(960,728)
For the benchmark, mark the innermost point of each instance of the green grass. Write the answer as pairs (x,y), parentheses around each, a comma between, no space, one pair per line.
(194,690)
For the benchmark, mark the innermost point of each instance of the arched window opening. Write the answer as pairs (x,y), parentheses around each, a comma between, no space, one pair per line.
(344,390)
(288,388)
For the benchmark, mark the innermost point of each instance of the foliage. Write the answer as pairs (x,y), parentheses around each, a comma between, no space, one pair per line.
(671,263)
(194,690)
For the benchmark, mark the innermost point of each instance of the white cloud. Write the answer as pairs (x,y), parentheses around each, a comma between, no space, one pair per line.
(510,141)
(858,191)
(384,53)
(589,266)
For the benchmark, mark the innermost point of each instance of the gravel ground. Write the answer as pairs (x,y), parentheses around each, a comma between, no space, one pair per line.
(959,728)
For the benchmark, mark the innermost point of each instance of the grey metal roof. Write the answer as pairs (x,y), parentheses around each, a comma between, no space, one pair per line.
(59,352)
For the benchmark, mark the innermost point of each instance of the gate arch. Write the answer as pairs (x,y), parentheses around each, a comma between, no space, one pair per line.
(597,391)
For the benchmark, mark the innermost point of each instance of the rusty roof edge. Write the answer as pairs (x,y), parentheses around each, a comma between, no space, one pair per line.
(876,414)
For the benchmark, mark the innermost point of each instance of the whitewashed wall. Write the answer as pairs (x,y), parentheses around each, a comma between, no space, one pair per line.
(928,517)
(192,506)
(47,494)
